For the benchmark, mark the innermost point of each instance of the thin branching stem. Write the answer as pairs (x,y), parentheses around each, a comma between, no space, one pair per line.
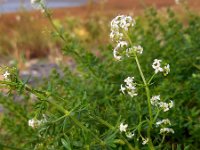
(147,93)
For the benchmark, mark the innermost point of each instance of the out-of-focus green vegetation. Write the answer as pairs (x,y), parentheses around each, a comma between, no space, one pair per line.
(90,90)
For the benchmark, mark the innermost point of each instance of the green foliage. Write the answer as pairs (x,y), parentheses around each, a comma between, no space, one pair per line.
(83,108)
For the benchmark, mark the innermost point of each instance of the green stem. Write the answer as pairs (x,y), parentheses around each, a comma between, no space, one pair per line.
(79,58)
(54,26)
(59,119)
(163,138)
(158,111)
(147,94)
(60,108)
(151,78)
(112,128)
(149,104)
(138,107)
(105,123)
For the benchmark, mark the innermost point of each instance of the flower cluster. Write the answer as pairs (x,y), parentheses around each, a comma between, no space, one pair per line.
(155,101)
(123,128)
(130,135)
(120,45)
(163,122)
(157,67)
(166,130)
(145,141)
(120,27)
(38,4)
(135,49)
(6,74)
(130,87)
(34,123)
(120,24)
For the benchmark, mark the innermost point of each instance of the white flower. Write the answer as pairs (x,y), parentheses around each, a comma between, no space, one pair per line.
(34,123)
(132,93)
(135,49)
(138,49)
(164,106)
(6,74)
(156,66)
(38,4)
(118,24)
(123,22)
(130,135)
(166,130)
(156,63)
(116,35)
(121,44)
(33,2)
(155,100)
(129,87)
(115,54)
(129,80)
(31,123)
(166,69)
(145,141)
(158,69)
(123,127)
(171,104)
(122,89)
(164,121)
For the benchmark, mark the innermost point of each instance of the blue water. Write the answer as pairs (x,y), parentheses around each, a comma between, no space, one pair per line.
(16,5)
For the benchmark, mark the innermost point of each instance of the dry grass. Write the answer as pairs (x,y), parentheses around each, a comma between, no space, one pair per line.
(27,34)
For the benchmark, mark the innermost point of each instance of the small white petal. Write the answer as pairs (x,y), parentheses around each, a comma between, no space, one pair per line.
(166,130)
(6,74)
(163,122)
(123,127)
(145,141)
(130,135)
(122,89)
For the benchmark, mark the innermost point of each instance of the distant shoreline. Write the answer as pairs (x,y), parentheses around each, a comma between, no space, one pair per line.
(15,6)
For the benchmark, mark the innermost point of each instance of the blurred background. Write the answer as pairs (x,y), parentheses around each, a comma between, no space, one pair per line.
(26,36)
(16,5)
(167,29)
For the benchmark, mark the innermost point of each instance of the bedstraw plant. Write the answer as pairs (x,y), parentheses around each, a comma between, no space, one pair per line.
(119,100)
(121,27)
